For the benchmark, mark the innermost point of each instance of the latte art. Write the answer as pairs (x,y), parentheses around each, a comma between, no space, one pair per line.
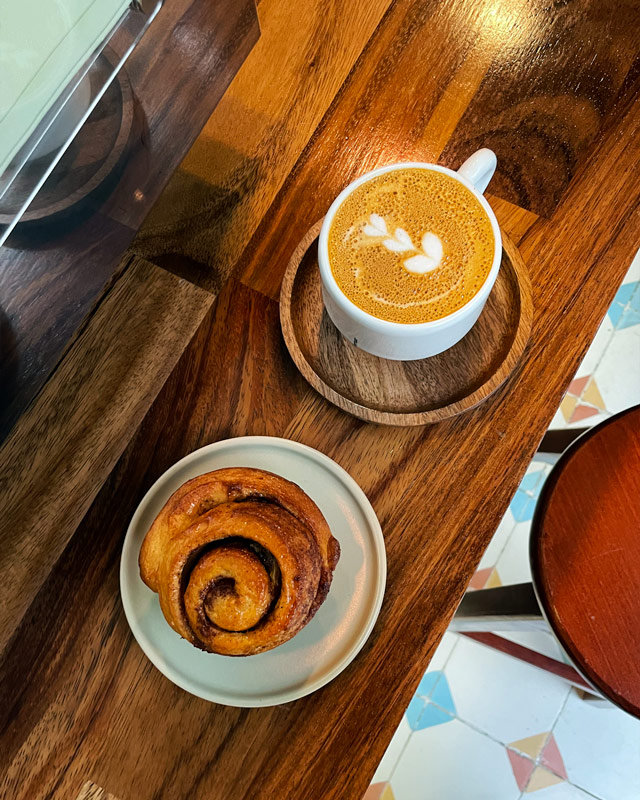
(411,245)
(431,248)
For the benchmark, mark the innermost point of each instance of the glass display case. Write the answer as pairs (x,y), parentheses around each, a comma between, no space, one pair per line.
(58,59)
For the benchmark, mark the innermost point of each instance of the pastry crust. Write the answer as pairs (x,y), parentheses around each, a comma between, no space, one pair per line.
(241,560)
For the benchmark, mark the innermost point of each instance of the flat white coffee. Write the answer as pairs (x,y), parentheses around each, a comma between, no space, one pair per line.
(411,245)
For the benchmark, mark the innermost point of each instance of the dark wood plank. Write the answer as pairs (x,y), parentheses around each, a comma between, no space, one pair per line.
(65,446)
(51,277)
(545,99)
(216,391)
(44,296)
(585,553)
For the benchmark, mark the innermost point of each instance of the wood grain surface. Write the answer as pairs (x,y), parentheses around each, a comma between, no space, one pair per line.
(542,104)
(67,443)
(79,701)
(416,392)
(92,792)
(50,279)
(585,555)
(225,185)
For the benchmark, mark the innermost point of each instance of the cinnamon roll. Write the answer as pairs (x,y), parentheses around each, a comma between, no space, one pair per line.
(241,560)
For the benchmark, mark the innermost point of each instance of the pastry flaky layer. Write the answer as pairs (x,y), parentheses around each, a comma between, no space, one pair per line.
(241,560)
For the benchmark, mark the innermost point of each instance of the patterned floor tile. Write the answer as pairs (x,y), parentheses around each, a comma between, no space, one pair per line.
(583,401)
(501,696)
(441,695)
(541,778)
(445,648)
(432,715)
(600,749)
(521,766)
(525,499)
(513,564)
(551,758)
(379,791)
(624,312)
(393,752)
(618,374)
(559,791)
(414,711)
(531,746)
(454,762)
(428,682)
(593,751)
(497,543)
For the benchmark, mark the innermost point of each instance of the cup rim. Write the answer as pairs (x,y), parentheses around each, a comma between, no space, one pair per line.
(385,325)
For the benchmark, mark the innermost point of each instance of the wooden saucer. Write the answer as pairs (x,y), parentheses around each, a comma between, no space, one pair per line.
(405,392)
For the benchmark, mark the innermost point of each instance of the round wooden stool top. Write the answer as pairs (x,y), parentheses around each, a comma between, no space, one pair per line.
(585,556)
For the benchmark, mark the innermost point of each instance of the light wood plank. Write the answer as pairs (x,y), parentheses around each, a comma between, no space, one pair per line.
(225,185)
(92,792)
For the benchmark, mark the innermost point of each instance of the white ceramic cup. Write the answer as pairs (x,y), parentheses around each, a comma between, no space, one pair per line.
(408,341)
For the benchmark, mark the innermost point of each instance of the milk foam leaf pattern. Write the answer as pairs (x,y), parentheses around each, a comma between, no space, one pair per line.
(432,246)
(397,247)
(377,227)
(378,222)
(241,560)
(432,250)
(402,236)
(428,256)
(420,264)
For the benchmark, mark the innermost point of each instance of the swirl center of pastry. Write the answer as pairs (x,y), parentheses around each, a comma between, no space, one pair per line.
(241,560)
(231,587)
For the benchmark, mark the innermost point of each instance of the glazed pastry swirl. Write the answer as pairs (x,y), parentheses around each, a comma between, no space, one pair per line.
(241,560)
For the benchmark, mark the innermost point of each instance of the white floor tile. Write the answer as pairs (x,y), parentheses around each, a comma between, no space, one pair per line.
(393,752)
(504,697)
(596,349)
(513,564)
(618,374)
(445,648)
(600,748)
(498,541)
(633,273)
(558,421)
(453,762)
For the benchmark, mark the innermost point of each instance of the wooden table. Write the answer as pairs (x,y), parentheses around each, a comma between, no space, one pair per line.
(185,349)
(53,275)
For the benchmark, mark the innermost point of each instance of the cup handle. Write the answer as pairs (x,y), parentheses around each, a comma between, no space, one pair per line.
(479,168)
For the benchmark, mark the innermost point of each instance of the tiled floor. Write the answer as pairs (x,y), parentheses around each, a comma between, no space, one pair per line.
(483,725)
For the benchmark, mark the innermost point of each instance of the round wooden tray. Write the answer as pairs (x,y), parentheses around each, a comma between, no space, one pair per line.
(405,392)
(88,161)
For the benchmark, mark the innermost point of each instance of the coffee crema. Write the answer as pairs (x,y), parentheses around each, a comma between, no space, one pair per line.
(411,245)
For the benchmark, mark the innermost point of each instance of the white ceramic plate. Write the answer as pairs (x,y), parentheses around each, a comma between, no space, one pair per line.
(337,632)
